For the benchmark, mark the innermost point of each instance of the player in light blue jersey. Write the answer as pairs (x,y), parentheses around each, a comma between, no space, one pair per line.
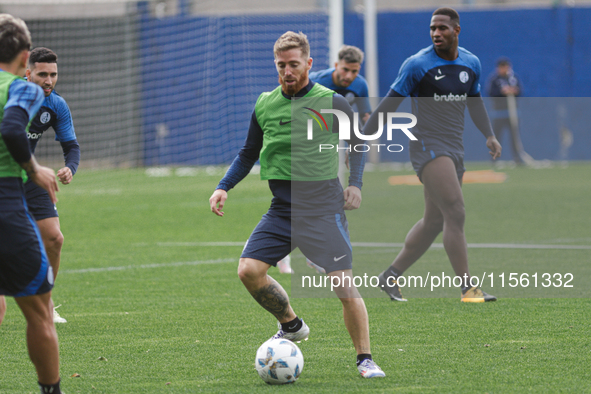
(442,80)
(54,113)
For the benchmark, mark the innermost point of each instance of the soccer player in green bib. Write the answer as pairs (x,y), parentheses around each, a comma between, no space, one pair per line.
(25,272)
(299,159)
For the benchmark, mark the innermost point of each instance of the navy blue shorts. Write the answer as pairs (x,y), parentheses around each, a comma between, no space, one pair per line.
(419,160)
(322,239)
(24,267)
(39,203)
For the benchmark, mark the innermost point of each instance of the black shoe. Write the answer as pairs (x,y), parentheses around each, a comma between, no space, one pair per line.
(390,286)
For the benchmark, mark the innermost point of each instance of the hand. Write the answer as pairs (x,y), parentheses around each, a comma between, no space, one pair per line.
(352,196)
(510,90)
(45,178)
(217,201)
(65,175)
(494,146)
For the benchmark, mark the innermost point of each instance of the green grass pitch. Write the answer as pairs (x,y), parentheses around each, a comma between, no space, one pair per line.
(151,310)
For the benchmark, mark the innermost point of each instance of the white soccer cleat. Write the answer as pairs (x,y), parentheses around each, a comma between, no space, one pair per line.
(297,337)
(56,316)
(284,265)
(369,369)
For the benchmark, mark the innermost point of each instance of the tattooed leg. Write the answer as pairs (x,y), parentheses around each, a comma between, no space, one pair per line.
(264,289)
(273,298)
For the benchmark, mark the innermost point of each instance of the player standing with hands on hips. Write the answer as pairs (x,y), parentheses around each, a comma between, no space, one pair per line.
(308,214)
(442,80)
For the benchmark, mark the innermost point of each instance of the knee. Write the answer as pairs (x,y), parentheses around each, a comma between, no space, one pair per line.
(55,240)
(41,322)
(433,225)
(246,271)
(456,212)
(344,289)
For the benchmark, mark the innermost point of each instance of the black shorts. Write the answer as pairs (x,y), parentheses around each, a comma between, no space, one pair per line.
(420,158)
(39,203)
(322,239)
(24,267)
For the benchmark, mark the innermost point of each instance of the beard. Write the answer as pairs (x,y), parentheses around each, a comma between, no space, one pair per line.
(291,90)
(342,82)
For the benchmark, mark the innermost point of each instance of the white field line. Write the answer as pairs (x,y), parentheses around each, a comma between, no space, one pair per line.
(355,244)
(392,245)
(143,266)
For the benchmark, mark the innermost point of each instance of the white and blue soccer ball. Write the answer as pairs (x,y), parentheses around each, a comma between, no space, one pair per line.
(279,361)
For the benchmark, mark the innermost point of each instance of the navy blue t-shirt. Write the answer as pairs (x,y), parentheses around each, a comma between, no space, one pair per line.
(439,90)
(54,113)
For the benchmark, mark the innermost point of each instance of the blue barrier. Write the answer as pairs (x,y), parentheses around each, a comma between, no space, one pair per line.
(201,76)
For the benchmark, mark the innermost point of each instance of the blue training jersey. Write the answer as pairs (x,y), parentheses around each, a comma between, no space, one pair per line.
(439,90)
(20,94)
(356,93)
(54,113)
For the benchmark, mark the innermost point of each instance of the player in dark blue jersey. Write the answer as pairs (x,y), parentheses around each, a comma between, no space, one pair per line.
(344,78)
(442,80)
(54,113)
(25,273)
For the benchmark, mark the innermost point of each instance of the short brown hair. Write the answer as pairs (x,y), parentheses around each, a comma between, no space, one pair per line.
(42,55)
(292,40)
(351,54)
(14,37)
(453,14)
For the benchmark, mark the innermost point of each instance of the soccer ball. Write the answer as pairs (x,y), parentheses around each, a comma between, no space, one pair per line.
(279,361)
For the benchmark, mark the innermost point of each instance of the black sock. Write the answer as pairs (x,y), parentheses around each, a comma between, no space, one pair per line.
(292,326)
(465,289)
(50,388)
(391,271)
(362,357)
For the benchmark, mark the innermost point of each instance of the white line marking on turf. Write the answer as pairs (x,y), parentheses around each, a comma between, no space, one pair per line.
(393,245)
(476,246)
(142,266)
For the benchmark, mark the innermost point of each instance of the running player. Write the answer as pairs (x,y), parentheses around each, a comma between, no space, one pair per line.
(25,273)
(442,80)
(313,207)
